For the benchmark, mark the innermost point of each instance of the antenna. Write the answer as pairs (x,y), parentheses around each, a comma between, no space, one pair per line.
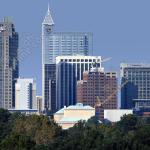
(48,7)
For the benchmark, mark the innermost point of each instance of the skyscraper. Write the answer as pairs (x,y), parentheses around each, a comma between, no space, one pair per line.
(25,91)
(136,91)
(9,68)
(97,84)
(69,69)
(56,44)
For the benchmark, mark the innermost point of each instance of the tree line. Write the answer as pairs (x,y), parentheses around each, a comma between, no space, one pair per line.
(33,132)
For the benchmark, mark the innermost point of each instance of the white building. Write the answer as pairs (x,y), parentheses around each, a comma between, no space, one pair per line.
(25,91)
(114,115)
(68,116)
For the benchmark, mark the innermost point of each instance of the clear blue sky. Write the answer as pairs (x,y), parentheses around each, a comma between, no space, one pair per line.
(121,28)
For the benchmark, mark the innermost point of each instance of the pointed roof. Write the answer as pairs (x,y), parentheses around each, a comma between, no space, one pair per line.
(48,18)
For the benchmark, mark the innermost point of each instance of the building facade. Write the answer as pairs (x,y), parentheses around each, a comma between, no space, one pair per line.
(98,85)
(56,44)
(39,104)
(9,68)
(68,116)
(136,92)
(114,115)
(69,69)
(25,90)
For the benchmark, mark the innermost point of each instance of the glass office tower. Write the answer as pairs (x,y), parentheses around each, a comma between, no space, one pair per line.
(9,69)
(69,70)
(56,44)
(136,91)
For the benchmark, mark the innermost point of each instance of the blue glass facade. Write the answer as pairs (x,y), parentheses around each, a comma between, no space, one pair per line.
(50,86)
(137,87)
(58,44)
(69,69)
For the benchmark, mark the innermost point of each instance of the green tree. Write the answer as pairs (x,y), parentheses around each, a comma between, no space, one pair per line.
(128,122)
(17,142)
(39,128)
(5,127)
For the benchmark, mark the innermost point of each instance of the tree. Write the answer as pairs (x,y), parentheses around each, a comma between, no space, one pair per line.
(17,142)
(128,122)
(39,128)
(142,138)
(5,126)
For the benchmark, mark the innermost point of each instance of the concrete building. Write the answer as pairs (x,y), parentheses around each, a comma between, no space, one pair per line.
(68,116)
(136,92)
(56,44)
(25,90)
(98,85)
(9,68)
(39,104)
(69,69)
(114,115)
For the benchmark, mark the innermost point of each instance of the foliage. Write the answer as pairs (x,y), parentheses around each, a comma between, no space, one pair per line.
(20,132)
(5,126)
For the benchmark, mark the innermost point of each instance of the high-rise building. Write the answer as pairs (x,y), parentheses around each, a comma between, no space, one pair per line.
(56,44)
(69,69)
(25,94)
(136,91)
(9,68)
(98,85)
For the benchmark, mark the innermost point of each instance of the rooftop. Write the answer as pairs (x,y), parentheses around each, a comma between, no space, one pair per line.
(134,65)
(79,106)
(48,18)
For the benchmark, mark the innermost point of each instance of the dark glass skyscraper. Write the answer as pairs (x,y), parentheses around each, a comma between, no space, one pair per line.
(9,68)
(69,70)
(136,90)
(56,44)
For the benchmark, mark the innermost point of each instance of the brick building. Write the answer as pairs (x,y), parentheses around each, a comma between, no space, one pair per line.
(98,85)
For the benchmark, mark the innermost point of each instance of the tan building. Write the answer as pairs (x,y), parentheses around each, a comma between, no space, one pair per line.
(68,116)
(39,104)
(97,84)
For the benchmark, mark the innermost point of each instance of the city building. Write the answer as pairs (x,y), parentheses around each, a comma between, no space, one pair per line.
(25,90)
(39,104)
(69,69)
(114,115)
(24,111)
(68,116)
(56,44)
(98,85)
(9,68)
(136,91)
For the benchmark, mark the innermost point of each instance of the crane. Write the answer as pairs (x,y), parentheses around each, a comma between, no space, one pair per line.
(106,59)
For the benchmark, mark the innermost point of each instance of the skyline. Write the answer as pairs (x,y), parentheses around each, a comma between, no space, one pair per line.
(120,30)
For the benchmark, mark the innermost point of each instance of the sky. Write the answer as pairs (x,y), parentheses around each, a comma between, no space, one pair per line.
(121,29)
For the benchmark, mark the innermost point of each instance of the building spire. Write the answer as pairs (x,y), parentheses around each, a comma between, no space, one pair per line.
(48,18)
(48,8)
